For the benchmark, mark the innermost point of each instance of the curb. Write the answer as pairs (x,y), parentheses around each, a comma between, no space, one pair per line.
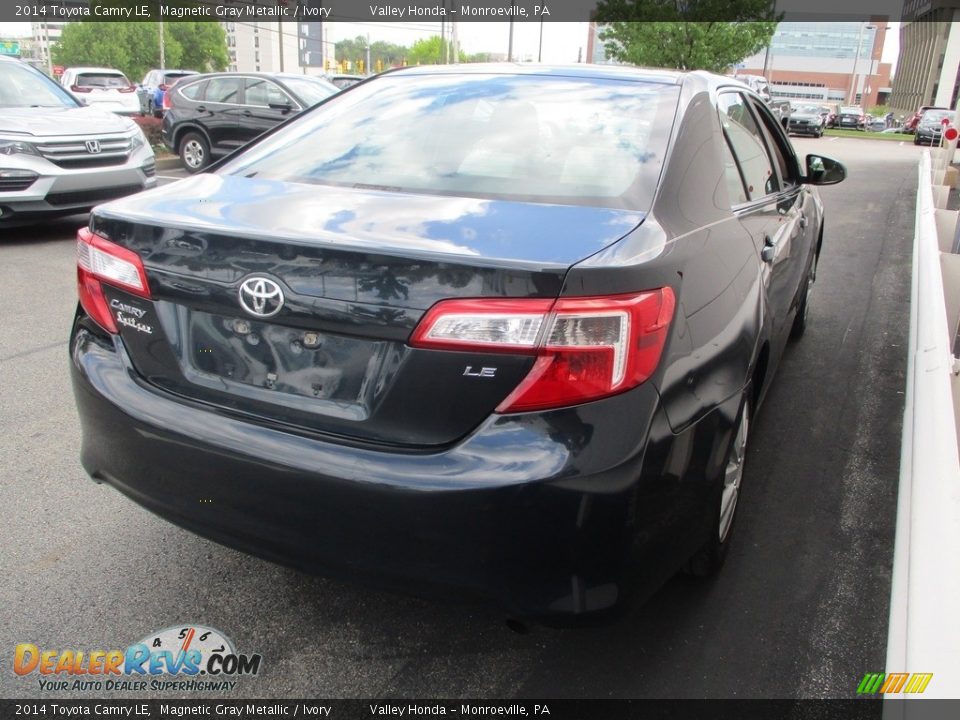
(168,163)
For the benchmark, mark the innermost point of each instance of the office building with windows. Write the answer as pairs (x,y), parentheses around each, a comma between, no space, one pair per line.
(836,62)
(928,71)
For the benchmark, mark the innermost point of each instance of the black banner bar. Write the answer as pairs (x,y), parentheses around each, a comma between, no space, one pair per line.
(852,709)
(421,11)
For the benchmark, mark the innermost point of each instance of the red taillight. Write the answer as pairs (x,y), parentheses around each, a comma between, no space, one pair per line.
(80,89)
(166,100)
(101,261)
(586,348)
(129,89)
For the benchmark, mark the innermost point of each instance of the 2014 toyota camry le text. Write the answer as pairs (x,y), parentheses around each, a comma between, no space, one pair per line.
(489,331)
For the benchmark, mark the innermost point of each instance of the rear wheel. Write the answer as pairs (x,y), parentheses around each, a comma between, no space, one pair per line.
(194,152)
(709,558)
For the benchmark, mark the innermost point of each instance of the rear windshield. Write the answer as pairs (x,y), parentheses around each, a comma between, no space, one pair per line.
(102,80)
(171,78)
(533,138)
(21,86)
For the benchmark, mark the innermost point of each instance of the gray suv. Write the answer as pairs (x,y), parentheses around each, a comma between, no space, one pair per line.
(58,157)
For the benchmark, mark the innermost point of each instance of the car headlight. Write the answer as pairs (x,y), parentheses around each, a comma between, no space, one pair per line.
(16,147)
(137,140)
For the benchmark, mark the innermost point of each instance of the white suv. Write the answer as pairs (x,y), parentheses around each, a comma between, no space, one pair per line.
(102,87)
(58,157)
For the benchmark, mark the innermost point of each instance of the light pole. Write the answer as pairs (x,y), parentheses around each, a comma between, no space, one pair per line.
(851,96)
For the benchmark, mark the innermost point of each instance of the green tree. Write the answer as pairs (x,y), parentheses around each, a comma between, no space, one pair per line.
(204,45)
(690,35)
(429,52)
(134,47)
(713,46)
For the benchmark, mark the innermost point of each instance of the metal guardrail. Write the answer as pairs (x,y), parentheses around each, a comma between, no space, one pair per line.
(924,629)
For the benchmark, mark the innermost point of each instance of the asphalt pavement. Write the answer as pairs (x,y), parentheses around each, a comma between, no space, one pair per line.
(800,610)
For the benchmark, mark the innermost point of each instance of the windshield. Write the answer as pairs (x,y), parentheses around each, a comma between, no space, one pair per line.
(310,91)
(533,138)
(21,86)
(102,80)
(851,111)
(808,110)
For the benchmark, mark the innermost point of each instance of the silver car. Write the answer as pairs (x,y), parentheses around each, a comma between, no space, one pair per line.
(58,157)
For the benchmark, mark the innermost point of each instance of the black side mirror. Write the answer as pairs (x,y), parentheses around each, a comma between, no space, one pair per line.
(285,107)
(824,170)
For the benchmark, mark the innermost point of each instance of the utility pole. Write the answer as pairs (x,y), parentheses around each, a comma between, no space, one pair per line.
(455,43)
(280,43)
(540,47)
(46,43)
(852,96)
(513,7)
(443,42)
(163,51)
(368,54)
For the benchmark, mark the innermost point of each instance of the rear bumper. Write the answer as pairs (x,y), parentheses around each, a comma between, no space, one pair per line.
(547,514)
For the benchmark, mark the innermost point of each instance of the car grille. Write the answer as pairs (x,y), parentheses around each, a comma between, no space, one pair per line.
(74,154)
(91,196)
(15,184)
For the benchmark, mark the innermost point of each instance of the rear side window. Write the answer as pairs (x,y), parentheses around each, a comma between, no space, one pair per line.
(223,90)
(746,142)
(193,91)
(101,80)
(532,138)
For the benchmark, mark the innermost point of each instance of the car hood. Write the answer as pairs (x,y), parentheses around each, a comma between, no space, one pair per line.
(490,232)
(49,121)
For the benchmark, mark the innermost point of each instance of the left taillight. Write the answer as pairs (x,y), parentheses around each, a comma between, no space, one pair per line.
(101,261)
(586,348)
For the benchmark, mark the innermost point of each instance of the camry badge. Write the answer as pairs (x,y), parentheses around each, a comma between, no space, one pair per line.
(261,297)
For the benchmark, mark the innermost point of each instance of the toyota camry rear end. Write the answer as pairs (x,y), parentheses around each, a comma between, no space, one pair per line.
(416,338)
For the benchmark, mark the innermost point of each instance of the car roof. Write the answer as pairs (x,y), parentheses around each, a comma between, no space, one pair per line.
(583,70)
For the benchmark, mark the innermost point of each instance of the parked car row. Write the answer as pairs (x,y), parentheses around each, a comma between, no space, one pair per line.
(59,156)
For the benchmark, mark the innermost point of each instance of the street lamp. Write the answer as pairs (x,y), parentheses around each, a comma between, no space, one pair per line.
(851,96)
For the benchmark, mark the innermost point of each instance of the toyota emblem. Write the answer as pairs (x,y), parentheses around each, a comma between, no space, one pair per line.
(261,297)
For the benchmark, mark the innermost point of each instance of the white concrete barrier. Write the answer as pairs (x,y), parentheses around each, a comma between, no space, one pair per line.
(924,630)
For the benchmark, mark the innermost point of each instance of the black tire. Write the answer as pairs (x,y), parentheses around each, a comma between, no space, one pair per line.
(916,140)
(194,152)
(711,556)
(799,326)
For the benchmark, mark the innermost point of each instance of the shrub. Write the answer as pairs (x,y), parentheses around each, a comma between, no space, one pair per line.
(151,127)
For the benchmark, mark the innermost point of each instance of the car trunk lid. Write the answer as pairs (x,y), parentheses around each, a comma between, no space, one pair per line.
(357,269)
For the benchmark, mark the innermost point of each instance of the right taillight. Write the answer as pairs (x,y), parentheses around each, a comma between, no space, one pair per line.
(586,348)
(80,89)
(101,261)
